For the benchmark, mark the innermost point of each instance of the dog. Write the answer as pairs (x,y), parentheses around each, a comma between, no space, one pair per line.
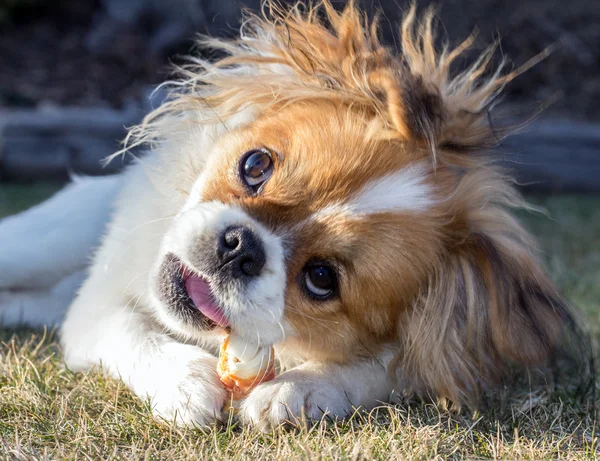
(309,189)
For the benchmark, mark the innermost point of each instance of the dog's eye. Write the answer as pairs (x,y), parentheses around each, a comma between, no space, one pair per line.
(256,167)
(320,280)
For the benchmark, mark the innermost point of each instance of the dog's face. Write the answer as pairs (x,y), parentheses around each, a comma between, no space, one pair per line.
(305,224)
(327,222)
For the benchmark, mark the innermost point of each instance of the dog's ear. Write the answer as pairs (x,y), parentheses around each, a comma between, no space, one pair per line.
(314,51)
(487,305)
(428,101)
(416,91)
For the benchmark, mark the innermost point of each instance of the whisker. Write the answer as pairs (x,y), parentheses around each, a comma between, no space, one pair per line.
(133,280)
(291,309)
(137,300)
(261,374)
(282,330)
(151,222)
(319,321)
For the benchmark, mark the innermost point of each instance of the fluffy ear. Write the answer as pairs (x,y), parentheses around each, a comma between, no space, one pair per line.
(430,101)
(487,305)
(416,91)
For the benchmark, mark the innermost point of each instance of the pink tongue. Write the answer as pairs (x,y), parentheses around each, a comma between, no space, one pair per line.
(199,291)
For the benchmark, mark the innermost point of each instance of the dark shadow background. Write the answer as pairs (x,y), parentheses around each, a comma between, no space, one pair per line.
(104,52)
(91,54)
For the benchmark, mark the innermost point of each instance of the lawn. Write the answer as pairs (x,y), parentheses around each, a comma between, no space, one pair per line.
(48,412)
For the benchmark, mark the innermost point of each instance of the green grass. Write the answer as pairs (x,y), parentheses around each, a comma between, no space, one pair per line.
(48,412)
(569,236)
(15,197)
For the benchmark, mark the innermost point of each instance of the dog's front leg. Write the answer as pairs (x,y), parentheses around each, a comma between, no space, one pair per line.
(315,389)
(180,379)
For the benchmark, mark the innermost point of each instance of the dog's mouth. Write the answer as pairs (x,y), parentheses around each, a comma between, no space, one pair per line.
(189,295)
(202,298)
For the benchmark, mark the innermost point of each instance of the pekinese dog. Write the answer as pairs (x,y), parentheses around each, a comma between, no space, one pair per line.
(310,189)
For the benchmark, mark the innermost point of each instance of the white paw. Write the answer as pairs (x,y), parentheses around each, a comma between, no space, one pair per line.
(294,397)
(187,391)
(192,402)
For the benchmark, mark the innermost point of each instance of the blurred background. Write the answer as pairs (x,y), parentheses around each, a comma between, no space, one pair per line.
(75,73)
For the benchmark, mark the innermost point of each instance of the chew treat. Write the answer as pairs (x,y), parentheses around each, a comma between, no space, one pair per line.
(243,365)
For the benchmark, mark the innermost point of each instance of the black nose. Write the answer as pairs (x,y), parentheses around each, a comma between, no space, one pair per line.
(241,251)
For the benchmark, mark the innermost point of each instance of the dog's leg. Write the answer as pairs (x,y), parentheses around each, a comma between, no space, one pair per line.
(314,389)
(180,379)
(53,240)
(39,308)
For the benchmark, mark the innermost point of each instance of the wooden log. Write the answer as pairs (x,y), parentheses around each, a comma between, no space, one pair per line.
(51,144)
(555,155)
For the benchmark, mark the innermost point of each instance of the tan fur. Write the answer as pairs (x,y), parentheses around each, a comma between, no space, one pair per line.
(487,303)
(457,287)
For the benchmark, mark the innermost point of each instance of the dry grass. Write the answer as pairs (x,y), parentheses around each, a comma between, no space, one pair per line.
(48,412)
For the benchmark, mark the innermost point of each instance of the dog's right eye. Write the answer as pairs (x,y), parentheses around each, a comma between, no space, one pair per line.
(256,168)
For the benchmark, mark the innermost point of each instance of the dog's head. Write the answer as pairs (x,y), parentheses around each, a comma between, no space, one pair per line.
(350,208)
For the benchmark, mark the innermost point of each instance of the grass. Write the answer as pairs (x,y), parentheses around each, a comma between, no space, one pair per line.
(48,412)
(15,197)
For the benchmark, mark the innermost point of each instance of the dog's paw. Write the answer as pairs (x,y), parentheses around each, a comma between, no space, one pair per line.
(295,397)
(190,403)
(188,392)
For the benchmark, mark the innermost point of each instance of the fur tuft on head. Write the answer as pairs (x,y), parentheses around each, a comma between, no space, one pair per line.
(312,52)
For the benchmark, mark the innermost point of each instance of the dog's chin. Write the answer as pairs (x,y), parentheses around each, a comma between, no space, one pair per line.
(188,299)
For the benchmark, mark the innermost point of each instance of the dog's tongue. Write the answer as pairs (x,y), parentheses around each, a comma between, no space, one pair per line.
(200,293)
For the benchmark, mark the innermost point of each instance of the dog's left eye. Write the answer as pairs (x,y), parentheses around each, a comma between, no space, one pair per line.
(256,168)
(320,280)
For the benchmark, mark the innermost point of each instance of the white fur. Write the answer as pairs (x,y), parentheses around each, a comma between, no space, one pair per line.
(46,250)
(252,312)
(39,307)
(404,190)
(40,247)
(314,389)
(112,322)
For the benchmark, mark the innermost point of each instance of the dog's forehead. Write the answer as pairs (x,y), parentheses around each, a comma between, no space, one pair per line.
(329,161)
(328,152)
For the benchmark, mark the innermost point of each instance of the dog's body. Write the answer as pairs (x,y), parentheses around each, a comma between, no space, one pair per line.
(291,195)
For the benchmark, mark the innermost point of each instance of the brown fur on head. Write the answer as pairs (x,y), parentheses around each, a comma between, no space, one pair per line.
(443,274)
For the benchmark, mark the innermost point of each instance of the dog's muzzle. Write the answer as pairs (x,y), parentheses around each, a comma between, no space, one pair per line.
(220,267)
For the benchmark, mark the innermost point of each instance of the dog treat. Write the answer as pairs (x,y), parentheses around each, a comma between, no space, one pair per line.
(243,365)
